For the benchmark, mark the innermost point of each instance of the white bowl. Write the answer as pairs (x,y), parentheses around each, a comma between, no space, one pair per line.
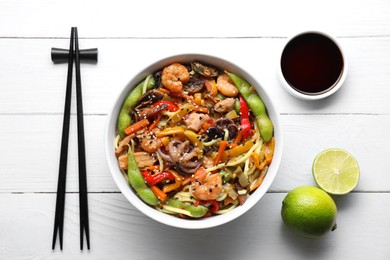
(124,186)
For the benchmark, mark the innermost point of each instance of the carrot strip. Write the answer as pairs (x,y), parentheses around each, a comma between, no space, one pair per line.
(155,122)
(236,141)
(238,138)
(159,193)
(136,126)
(206,126)
(221,149)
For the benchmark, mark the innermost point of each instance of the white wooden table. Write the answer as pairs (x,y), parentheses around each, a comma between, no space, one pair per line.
(132,34)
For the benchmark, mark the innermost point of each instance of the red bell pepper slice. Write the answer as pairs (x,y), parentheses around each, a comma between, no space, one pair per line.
(246,128)
(214,205)
(152,180)
(245,123)
(170,106)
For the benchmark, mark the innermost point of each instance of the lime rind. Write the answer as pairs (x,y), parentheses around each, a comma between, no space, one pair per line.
(309,211)
(336,171)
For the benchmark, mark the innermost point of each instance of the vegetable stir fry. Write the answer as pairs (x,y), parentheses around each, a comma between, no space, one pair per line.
(193,140)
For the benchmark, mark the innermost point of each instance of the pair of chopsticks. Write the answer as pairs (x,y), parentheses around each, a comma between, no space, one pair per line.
(73,55)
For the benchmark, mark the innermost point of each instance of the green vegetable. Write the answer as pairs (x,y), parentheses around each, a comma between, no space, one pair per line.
(220,96)
(137,181)
(256,105)
(124,118)
(226,176)
(194,211)
(237,106)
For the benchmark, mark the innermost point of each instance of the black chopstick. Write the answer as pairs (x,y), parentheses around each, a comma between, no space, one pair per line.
(83,194)
(60,202)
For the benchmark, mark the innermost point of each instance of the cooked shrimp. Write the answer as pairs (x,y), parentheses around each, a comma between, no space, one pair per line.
(150,142)
(206,186)
(174,76)
(226,86)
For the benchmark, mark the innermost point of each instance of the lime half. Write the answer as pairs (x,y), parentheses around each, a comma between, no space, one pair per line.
(336,171)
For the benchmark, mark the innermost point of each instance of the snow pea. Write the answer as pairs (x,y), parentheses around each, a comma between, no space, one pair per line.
(137,181)
(124,118)
(256,105)
(193,211)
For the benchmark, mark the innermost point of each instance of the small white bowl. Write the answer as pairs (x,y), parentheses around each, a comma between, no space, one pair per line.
(124,186)
(320,95)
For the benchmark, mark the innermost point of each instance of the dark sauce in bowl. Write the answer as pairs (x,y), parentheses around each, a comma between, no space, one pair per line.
(312,63)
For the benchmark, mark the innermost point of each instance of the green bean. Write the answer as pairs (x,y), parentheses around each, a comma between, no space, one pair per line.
(124,118)
(137,181)
(256,105)
(194,211)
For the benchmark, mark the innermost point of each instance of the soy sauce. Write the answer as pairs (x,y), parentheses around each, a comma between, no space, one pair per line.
(312,63)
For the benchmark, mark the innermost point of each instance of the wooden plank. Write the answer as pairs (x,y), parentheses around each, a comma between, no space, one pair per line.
(31,145)
(119,231)
(40,86)
(202,19)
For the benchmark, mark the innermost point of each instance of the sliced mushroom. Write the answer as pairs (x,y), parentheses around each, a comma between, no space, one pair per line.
(150,97)
(194,85)
(233,131)
(204,70)
(214,132)
(224,122)
(218,130)
(147,112)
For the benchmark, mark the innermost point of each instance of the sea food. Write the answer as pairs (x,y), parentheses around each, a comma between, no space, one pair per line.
(193,140)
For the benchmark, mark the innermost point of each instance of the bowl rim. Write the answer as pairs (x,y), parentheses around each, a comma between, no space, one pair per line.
(120,180)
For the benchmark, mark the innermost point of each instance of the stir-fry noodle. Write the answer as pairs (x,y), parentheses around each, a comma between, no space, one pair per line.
(194,141)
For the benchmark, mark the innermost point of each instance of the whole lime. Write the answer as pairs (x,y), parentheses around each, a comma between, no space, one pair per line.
(309,211)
